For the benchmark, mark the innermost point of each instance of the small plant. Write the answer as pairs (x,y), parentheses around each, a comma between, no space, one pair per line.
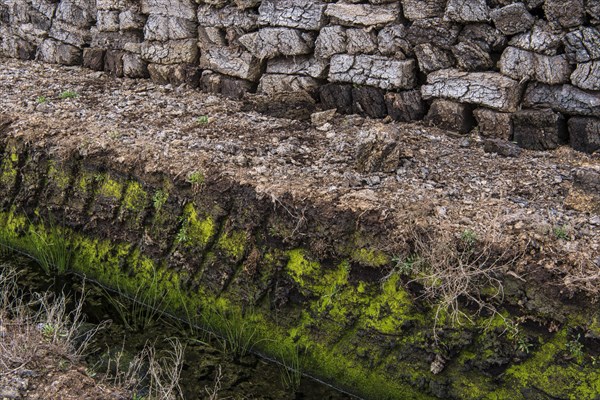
(64,365)
(68,94)
(41,100)
(147,306)
(114,135)
(468,237)
(202,120)
(159,199)
(50,331)
(239,334)
(196,179)
(523,344)
(291,368)
(575,347)
(182,235)
(50,250)
(406,266)
(561,232)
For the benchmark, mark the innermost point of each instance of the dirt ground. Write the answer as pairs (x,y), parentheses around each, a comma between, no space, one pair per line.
(404,171)
(48,372)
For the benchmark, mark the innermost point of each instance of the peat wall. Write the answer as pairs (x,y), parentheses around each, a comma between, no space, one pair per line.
(527,71)
(220,255)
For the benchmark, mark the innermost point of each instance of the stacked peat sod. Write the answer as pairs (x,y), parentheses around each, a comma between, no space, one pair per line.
(527,71)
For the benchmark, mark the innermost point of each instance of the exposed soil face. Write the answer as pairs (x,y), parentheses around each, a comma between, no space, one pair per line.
(383,172)
(368,243)
(51,376)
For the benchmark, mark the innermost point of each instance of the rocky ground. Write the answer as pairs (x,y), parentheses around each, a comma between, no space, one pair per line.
(405,171)
(50,376)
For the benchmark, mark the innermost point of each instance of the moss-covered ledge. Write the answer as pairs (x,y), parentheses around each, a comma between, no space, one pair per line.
(216,253)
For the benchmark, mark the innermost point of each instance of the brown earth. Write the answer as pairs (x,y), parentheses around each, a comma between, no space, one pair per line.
(48,371)
(392,176)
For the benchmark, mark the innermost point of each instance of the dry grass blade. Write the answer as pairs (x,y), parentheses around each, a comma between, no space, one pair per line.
(456,269)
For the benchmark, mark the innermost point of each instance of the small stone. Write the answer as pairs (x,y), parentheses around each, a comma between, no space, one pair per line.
(325,127)
(322,117)
(501,147)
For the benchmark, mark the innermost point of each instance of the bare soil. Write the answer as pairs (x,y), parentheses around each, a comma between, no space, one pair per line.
(436,178)
(48,372)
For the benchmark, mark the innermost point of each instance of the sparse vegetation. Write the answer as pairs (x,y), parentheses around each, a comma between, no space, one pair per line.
(144,309)
(455,271)
(159,199)
(36,320)
(560,232)
(239,334)
(41,100)
(196,179)
(68,94)
(48,246)
(291,368)
(202,120)
(575,347)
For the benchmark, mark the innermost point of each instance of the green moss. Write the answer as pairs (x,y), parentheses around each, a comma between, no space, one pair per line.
(109,187)
(8,170)
(84,182)
(370,258)
(299,268)
(557,379)
(233,244)
(159,199)
(195,232)
(389,310)
(135,198)
(56,175)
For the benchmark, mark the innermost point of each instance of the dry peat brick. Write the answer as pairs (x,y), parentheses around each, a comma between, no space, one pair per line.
(539,129)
